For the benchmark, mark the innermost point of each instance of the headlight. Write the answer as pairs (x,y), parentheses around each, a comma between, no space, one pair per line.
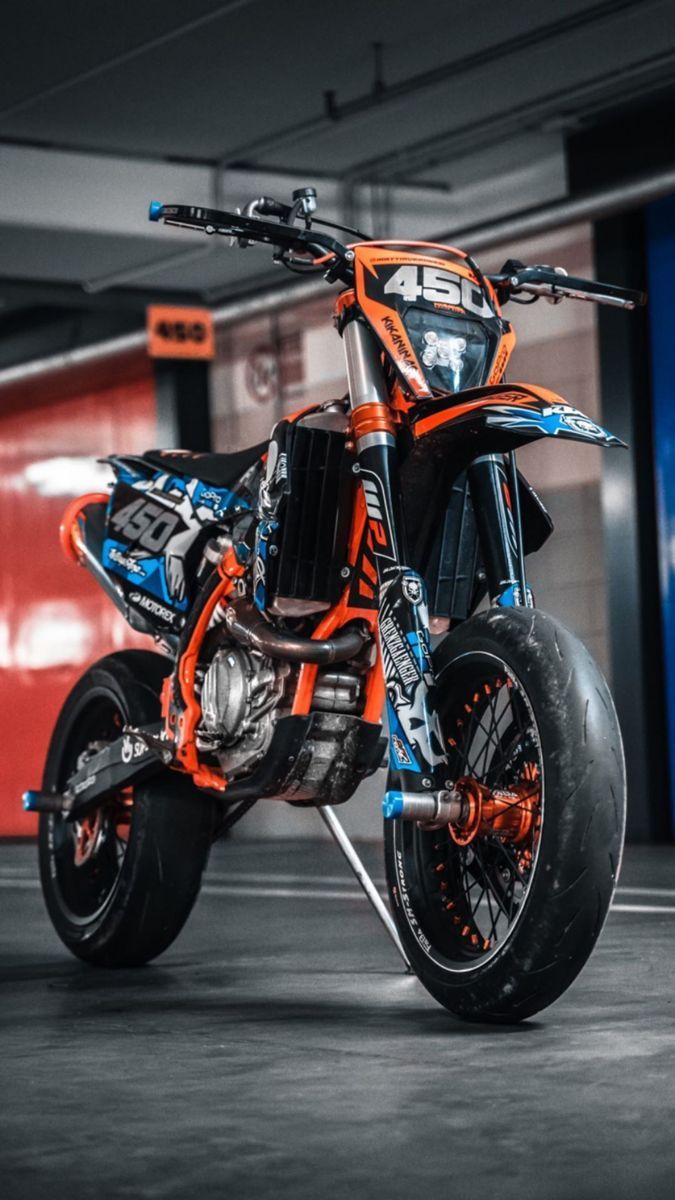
(453,351)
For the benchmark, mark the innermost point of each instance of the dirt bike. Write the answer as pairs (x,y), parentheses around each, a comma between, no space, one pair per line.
(292,590)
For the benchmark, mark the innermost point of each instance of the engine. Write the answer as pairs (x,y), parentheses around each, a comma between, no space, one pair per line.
(240,691)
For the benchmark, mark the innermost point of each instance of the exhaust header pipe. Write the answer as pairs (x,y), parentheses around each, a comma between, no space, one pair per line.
(250,627)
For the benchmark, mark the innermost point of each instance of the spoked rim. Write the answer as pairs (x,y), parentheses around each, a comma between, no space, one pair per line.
(471,881)
(87,856)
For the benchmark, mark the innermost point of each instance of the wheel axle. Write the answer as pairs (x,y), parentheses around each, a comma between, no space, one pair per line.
(468,809)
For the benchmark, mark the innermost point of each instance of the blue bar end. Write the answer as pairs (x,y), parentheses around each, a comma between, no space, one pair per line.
(392,805)
(155,210)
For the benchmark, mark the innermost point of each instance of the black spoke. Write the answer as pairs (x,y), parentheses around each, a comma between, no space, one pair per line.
(494,743)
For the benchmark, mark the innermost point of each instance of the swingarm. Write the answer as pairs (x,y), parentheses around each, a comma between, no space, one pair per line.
(132,758)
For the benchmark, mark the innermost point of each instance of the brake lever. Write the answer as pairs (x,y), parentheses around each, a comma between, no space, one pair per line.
(556,299)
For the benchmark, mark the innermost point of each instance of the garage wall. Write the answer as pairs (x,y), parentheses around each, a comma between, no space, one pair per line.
(54,620)
(271,366)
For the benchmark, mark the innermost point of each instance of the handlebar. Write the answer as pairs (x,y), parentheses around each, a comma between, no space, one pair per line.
(248,228)
(323,250)
(556,284)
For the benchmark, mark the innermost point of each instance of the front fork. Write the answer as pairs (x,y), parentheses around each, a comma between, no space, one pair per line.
(495,496)
(420,785)
(417,755)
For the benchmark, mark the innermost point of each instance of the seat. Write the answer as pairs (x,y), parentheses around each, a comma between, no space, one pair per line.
(221,470)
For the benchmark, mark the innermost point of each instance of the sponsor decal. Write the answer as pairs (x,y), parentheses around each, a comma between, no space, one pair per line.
(372,497)
(402,757)
(553,420)
(499,365)
(399,652)
(399,344)
(379,521)
(84,784)
(408,671)
(153,606)
(411,586)
(582,424)
(126,561)
(132,748)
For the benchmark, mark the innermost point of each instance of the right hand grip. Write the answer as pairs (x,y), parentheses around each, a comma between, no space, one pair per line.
(546,281)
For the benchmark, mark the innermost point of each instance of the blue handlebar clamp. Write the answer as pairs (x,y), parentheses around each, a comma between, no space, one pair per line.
(155,210)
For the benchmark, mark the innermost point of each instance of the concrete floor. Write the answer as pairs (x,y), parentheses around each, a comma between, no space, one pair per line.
(277,1050)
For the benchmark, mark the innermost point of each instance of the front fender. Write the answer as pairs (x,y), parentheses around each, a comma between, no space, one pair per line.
(502,417)
(447,433)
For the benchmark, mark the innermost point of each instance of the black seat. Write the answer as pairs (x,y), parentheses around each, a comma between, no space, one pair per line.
(222,470)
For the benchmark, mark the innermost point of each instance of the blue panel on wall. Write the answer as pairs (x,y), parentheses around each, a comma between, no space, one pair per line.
(661,264)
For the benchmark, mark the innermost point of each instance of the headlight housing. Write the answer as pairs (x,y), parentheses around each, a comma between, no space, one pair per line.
(453,352)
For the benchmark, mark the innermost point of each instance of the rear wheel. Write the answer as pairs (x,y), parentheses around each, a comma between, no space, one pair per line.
(120,884)
(499,914)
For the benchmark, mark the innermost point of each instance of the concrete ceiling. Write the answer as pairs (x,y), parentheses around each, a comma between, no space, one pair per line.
(460,115)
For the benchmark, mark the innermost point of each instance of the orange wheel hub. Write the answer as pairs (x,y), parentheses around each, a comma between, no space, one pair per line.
(508,813)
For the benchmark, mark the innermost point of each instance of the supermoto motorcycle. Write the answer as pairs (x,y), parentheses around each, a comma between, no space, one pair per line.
(292,590)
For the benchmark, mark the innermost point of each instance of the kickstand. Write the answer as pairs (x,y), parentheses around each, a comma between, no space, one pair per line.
(329,819)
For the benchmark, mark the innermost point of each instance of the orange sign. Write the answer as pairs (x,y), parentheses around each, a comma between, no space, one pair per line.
(180,332)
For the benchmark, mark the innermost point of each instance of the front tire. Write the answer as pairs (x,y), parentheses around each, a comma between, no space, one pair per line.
(120,884)
(498,927)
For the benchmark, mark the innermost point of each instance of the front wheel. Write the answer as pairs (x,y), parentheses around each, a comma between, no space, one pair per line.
(120,884)
(499,916)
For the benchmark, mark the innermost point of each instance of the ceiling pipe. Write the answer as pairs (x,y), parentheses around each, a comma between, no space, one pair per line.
(605,202)
(563,108)
(334,113)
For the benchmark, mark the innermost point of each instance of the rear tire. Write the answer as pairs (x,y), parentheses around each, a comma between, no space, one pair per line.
(509,952)
(119,887)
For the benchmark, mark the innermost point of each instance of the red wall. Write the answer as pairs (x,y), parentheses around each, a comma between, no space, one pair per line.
(54,620)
